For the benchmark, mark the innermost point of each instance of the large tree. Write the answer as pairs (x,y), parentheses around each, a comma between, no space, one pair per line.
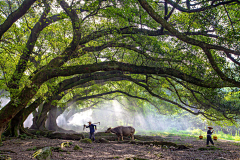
(184,52)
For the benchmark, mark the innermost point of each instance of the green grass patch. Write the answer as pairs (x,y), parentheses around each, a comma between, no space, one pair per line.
(76,147)
(236,144)
(86,140)
(189,134)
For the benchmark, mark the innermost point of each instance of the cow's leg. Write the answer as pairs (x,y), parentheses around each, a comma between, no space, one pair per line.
(121,136)
(132,137)
(118,138)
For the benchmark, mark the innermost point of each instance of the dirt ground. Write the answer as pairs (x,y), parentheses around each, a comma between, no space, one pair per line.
(17,149)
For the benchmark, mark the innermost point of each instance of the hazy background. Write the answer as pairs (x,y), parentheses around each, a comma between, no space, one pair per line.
(112,114)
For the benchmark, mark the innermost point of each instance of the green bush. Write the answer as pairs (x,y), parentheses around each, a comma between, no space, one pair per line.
(76,147)
(86,140)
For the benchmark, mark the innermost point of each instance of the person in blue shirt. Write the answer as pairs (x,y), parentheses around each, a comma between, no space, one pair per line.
(92,130)
(209,136)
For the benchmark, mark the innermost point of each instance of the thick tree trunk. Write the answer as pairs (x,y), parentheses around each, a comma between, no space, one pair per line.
(50,120)
(40,117)
(51,123)
(2,129)
(15,128)
(54,112)
(14,106)
(39,122)
(15,124)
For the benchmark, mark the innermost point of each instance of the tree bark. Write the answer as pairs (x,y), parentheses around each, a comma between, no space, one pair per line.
(40,117)
(51,123)
(16,124)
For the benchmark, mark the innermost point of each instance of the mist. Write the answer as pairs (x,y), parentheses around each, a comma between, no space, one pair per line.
(112,114)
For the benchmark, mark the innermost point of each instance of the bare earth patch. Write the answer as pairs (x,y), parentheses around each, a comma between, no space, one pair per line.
(19,149)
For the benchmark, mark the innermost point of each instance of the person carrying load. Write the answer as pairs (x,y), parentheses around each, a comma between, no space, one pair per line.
(92,128)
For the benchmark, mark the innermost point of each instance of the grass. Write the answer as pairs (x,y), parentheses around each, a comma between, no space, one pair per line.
(236,144)
(189,133)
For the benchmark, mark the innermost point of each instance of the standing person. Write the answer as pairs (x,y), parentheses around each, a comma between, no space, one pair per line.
(209,136)
(92,130)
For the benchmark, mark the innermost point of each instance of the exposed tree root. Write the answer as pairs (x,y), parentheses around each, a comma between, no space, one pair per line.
(22,130)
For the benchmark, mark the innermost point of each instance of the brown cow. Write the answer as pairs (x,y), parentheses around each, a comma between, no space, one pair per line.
(121,131)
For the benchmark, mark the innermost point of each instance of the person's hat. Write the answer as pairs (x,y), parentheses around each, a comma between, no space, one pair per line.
(89,122)
(210,127)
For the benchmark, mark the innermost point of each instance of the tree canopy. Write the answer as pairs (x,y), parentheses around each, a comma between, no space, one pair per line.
(170,54)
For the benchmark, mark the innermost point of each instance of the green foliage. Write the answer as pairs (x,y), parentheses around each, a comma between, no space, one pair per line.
(190,133)
(222,135)
(38,132)
(236,144)
(86,140)
(76,147)
(5,157)
(24,136)
(43,153)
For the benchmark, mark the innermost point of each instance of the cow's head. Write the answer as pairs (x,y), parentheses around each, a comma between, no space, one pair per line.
(108,130)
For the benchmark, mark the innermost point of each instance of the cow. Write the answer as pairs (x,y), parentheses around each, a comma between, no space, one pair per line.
(121,131)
